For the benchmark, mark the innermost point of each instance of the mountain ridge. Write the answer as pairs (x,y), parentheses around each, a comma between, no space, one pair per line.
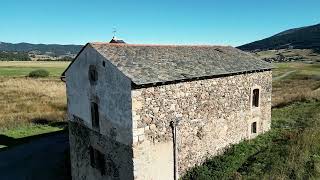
(52,49)
(307,37)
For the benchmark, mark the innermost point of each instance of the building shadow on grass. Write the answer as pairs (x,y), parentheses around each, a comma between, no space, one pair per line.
(43,156)
(11,142)
(43,121)
(6,140)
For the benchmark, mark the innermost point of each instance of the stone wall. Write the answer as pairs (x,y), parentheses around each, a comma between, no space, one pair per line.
(113,138)
(213,114)
(118,157)
(112,93)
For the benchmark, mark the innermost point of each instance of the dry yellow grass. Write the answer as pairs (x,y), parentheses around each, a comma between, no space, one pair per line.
(287,91)
(302,84)
(25,100)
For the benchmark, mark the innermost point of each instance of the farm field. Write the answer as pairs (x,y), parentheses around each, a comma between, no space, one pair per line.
(289,55)
(31,106)
(301,83)
(22,68)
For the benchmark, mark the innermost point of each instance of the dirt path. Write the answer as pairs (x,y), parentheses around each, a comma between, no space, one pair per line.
(283,75)
(39,159)
(316,90)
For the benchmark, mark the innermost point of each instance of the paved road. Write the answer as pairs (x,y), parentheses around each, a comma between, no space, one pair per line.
(40,159)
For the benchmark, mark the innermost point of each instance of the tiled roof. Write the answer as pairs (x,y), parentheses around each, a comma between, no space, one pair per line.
(147,64)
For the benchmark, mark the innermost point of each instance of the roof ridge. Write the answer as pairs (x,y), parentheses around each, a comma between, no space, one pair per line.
(159,45)
(163,63)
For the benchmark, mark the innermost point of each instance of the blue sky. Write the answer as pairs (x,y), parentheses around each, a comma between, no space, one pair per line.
(225,22)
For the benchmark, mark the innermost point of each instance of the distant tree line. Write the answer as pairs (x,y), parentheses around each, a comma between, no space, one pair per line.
(14,56)
(56,49)
(60,59)
(22,56)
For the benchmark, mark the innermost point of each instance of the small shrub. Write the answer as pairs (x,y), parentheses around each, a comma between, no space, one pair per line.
(39,73)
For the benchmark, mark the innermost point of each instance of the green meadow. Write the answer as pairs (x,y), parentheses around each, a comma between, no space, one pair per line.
(30,106)
(23,68)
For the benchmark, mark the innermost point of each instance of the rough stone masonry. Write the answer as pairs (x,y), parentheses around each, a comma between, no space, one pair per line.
(213,114)
(153,112)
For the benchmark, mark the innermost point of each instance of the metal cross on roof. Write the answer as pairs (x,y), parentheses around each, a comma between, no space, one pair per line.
(114,32)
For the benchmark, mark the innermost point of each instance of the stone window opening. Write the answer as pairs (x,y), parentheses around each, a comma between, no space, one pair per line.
(255,98)
(93,74)
(254,128)
(97,160)
(103,63)
(95,116)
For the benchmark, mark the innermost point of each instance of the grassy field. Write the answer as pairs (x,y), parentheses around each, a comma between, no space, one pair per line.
(25,100)
(288,91)
(305,55)
(301,84)
(21,134)
(22,68)
(31,106)
(291,150)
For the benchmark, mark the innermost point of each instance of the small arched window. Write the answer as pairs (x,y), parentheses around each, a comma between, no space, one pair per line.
(255,98)
(254,128)
(95,116)
(93,74)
